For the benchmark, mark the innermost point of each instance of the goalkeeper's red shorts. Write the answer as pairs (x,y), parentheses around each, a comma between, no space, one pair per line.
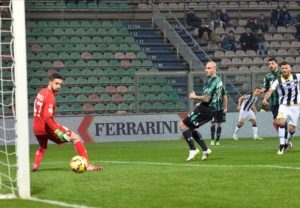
(43,139)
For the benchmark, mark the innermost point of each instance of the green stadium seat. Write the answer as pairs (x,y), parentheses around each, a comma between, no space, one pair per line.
(144,88)
(147,63)
(127,80)
(75,72)
(35,81)
(97,40)
(113,31)
(85,24)
(104,80)
(100,107)
(75,55)
(92,64)
(135,47)
(91,47)
(141,55)
(63,108)
(103,63)
(97,55)
(58,47)
(70,98)
(94,31)
(87,72)
(123,32)
(162,96)
(99,89)
(151,97)
(156,88)
(44,40)
(88,89)
(124,47)
(129,39)
(105,97)
(93,80)
(70,31)
(76,90)
(53,24)
(113,47)
(114,63)
(108,55)
(42,24)
(51,40)
(58,31)
(181,106)
(128,97)
(169,106)
(64,72)
(81,81)
(69,63)
(123,107)
(70,80)
(106,24)
(98,72)
(47,64)
(86,39)
(59,99)
(75,39)
(111,107)
(173,97)
(145,106)
(76,108)
(82,98)
(81,63)
(41,56)
(118,40)
(80,31)
(65,90)
(167,88)
(75,24)
(158,106)
(108,39)
(64,24)
(117,24)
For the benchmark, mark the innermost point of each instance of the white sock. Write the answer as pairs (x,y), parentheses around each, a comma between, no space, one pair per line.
(281,133)
(254,129)
(236,130)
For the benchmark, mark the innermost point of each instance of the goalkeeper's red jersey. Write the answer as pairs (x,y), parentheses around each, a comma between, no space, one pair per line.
(44,111)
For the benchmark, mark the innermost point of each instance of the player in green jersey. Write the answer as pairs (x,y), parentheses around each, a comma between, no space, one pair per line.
(219,118)
(203,113)
(270,77)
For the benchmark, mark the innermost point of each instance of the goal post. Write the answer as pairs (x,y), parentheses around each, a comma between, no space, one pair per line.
(14,129)
(22,132)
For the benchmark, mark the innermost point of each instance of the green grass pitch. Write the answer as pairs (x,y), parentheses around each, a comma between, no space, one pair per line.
(244,173)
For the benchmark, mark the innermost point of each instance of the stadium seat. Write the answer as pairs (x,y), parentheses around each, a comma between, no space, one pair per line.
(94,98)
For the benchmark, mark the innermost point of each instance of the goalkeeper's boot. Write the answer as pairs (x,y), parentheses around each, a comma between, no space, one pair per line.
(91,167)
(212,142)
(35,168)
(205,154)
(192,154)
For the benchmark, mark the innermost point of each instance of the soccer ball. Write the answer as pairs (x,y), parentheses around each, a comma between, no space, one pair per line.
(78,164)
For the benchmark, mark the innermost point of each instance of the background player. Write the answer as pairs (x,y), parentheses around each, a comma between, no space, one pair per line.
(219,118)
(246,107)
(46,128)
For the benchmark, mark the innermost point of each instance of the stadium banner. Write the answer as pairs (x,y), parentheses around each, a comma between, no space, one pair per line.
(115,128)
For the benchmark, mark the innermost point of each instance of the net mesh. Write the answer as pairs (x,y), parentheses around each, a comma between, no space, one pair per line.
(8,167)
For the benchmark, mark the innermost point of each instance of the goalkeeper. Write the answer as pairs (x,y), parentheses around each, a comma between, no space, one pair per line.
(46,128)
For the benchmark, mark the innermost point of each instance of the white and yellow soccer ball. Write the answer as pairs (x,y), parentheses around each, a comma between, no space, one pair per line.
(78,164)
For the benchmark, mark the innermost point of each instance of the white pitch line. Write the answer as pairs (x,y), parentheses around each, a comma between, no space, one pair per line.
(201,165)
(58,203)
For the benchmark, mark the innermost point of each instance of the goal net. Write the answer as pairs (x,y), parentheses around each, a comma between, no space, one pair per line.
(14,149)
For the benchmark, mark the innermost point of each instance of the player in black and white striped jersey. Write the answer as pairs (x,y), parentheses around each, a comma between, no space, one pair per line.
(246,107)
(288,89)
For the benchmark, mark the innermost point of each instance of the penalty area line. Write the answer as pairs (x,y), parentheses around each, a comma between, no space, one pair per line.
(58,203)
(201,165)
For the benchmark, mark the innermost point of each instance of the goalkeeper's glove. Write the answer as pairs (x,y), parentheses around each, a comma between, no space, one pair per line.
(63,136)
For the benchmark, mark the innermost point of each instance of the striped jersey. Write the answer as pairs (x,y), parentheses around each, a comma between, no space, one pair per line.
(248,101)
(287,89)
(268,80)
(213,88)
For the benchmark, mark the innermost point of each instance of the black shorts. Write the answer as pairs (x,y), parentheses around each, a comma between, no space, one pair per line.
(201,115)
(219,117)
(274,110)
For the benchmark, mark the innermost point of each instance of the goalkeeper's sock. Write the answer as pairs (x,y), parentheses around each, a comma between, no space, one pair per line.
(39,154)
(81,150)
